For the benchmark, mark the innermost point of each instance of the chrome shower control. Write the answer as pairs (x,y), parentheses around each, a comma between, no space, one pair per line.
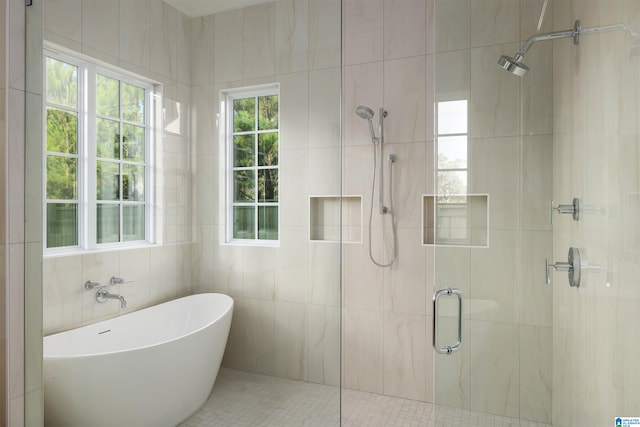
(573,209)
(573,267)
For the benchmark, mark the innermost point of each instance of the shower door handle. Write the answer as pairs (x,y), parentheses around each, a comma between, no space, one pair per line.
(447,349)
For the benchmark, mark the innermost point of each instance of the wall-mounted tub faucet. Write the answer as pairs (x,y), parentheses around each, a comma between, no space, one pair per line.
(102,295)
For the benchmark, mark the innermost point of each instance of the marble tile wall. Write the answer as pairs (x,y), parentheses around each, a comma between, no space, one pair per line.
(596,158)
(287,313)
(154,40)
(406,55)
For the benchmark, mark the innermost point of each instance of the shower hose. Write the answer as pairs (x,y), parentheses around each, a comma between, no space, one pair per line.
(391,209)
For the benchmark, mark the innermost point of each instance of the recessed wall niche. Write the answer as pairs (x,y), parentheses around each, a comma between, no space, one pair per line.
(331,215)
(455,220)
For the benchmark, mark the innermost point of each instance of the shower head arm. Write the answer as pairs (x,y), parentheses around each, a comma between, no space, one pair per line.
(575,32)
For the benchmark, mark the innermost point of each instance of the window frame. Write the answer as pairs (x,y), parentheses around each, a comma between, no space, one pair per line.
(227,98)
(88,70)
(451,207)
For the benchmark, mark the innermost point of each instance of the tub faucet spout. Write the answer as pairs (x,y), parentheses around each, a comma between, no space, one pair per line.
(102,295)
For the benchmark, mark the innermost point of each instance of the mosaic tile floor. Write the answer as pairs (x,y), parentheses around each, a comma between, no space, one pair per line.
(243,399)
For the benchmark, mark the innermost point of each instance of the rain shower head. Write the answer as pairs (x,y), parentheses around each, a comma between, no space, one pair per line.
(364,112)
(516,67)
(513,65)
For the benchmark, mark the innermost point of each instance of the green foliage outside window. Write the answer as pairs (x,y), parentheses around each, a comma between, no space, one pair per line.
(120,148)
(255,167)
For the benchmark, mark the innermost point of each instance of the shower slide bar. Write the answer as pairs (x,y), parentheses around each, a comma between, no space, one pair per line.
(447,349)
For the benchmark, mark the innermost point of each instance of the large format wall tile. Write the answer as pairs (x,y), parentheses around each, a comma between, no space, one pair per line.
(405,99)
(290,340)
(202,42)
(323,345)
(324,117)
(258,41)
(495,96)
(494,22)
(404,20)
(363,85)
(405,353)
(453,25)
(495,368)
(404,282)
(495,169)
(228,46)
(259,336)
(135,33)
(362,31)
(292,275)
(325,34)
(291,36)
(494,279)
(99,24)
(63,18)
(363,352)
(536,350)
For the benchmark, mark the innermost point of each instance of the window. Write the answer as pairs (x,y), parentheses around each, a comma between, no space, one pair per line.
(252,147)
(452,210)
(97,151)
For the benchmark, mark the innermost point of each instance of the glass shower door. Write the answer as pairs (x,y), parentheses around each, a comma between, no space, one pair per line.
(487,221)
(566,131)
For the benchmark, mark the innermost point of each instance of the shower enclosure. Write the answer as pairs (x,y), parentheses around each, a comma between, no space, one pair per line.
(565,131)
(485,158)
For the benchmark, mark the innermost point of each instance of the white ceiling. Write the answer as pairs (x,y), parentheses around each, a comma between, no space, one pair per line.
(195,8)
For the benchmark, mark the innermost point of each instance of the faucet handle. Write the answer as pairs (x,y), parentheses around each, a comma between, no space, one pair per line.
(88,285)
(118,281)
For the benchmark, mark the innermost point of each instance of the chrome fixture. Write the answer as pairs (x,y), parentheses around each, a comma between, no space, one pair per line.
(88,285)
(102,295)
(573,209)
(368,114)
(116,281)
(573,267)
(515,65)
(447,349)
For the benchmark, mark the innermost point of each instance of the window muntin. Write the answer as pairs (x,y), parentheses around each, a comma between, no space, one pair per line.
(253,147)
(61,153)
(120,160)
(452,213)
(102,198)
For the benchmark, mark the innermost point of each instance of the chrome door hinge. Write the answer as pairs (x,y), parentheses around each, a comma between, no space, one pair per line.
(28,2)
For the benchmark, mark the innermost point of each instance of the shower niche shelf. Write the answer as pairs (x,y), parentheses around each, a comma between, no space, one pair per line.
(331,215)
(455,220)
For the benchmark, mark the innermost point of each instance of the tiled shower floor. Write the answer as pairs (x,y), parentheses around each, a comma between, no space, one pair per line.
(243,399)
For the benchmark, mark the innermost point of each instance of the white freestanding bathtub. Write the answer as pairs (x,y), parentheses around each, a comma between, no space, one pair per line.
(154,367)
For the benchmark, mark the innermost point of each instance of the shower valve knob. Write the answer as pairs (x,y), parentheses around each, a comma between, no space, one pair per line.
(573,267)
(573,209)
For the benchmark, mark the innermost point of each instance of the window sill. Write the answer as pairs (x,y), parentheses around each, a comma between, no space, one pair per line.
(253,243)
(48,253)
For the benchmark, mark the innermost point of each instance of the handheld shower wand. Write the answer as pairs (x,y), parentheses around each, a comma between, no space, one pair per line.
(367,114)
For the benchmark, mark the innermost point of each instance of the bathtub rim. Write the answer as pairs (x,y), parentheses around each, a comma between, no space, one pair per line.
(230,303)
